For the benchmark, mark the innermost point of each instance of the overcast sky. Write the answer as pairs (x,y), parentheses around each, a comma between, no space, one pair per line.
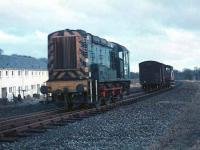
(164,30)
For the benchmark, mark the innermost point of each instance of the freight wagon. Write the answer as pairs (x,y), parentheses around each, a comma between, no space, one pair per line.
(154,75)
(86,69)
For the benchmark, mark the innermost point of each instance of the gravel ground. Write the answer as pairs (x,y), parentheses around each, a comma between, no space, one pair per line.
(184,133)
(137,126)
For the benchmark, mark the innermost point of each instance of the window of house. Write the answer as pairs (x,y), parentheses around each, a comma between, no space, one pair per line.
(14,89)
(12,73)
(19,73)
(26,87)
(10,89)
(19,88)
(6,73)
(0,74)
(32,87)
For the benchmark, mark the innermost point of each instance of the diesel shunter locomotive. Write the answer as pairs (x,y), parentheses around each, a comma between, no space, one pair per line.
(86,69)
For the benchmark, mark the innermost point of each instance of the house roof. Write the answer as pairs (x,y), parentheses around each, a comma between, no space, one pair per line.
(22,62)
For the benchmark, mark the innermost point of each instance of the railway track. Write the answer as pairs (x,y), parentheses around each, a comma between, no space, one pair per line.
(20,126)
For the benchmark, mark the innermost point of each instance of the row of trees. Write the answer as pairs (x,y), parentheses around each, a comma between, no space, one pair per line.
(187,74)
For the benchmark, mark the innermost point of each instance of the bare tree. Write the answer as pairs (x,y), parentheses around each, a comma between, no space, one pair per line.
(188,74)
(197,73)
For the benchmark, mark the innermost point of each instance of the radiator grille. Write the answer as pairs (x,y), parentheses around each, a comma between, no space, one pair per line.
(65,53)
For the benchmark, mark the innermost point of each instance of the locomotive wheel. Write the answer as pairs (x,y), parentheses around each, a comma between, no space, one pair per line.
(53,97)
(66,104)
(99,102)
(127,92)
(108,100)
(58,98)
(121,96)
(113,100)
(80,101)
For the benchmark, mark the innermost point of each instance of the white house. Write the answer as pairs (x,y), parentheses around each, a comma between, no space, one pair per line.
(21,75)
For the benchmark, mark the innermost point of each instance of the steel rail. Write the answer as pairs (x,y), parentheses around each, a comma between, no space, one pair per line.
(15,126)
